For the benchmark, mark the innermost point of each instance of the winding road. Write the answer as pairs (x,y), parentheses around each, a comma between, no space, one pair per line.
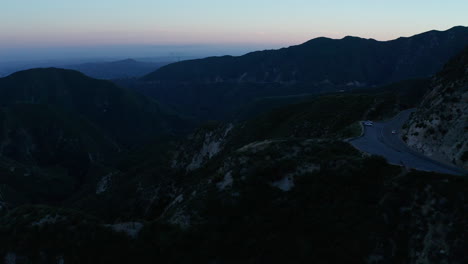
(379,140)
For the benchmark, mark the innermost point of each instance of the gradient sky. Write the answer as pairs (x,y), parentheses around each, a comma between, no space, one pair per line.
(34,25)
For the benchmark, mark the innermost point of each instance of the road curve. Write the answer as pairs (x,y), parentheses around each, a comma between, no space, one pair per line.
(379,140)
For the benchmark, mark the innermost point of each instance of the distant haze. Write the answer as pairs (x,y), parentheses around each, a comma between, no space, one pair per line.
(117,51)
(57,29)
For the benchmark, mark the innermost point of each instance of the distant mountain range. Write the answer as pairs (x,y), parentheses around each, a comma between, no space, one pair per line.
(96,68)
(350,60)
(217,87)
(128,68)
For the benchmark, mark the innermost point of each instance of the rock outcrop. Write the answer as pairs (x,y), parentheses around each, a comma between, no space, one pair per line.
(439,128)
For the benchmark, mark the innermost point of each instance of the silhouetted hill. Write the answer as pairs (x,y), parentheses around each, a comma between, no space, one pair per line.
(124,115)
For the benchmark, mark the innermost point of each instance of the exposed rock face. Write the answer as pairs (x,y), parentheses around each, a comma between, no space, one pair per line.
(131,229)
(439,128)
(201,146)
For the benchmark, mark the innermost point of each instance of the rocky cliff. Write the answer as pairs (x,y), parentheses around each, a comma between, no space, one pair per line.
(439,128)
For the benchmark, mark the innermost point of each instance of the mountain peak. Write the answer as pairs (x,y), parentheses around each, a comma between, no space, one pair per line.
(460,27)
(42,72)
(129,60)
(351,37)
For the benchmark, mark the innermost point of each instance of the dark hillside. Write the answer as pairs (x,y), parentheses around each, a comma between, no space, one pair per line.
(126,116)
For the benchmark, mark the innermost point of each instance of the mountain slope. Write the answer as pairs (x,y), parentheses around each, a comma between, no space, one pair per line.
(440,126)
(348,60)
(61,131)
(217,87)
(281,187)
(47,155)
(128,117)
(246,194)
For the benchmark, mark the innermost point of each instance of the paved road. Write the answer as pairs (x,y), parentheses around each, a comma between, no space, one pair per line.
(379,140)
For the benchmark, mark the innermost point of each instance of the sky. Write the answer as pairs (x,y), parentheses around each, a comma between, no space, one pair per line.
(43,29)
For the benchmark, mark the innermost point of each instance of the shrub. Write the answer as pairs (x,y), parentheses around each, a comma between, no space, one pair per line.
(431,131)
(464,156)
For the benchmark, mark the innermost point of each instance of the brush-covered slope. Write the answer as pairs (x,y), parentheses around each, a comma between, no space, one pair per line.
(391,98)
(124,115)
(440,126)
(47,155)
(264,191)
(60,131)
(350,60)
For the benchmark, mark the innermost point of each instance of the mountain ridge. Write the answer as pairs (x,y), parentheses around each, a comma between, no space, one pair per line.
(301,60)
(217,87)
